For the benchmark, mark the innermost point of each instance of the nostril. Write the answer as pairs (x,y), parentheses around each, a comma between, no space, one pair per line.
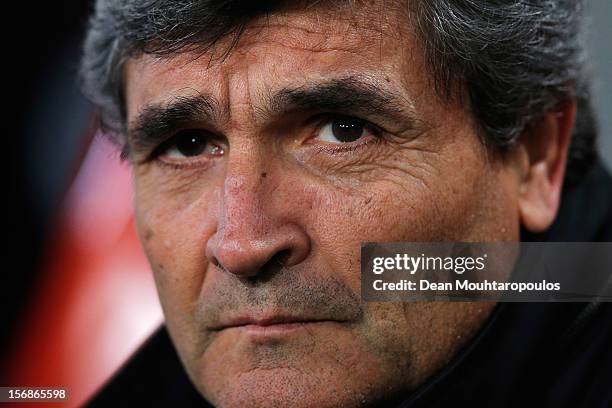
(281,257)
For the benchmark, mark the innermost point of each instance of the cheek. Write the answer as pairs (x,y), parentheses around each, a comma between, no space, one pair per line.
(174,222)
(174,229)
(436,202)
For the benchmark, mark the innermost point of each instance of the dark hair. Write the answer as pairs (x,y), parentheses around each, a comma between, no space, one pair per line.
(515,59)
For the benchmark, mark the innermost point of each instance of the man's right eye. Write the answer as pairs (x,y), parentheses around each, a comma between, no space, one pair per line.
(190,143)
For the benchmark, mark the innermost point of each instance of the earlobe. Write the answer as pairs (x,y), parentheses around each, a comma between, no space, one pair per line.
(545,146)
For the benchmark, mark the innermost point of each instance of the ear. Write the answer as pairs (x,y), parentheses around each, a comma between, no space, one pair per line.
(544,150)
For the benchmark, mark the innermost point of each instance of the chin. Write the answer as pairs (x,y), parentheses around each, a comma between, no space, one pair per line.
(316,378)
(284,387)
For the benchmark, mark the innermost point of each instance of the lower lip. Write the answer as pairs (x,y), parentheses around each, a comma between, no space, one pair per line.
(281,329)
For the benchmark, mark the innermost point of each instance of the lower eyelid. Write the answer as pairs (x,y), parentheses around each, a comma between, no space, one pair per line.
(340,148)
(179,164)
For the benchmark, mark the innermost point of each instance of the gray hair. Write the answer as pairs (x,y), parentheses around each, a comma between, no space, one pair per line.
(515,60)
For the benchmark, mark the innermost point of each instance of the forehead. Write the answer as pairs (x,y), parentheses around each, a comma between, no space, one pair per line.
(286,49)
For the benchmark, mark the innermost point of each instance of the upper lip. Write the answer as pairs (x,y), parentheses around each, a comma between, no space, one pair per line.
(267,321)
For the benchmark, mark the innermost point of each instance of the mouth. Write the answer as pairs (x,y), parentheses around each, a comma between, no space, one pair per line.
(274,326)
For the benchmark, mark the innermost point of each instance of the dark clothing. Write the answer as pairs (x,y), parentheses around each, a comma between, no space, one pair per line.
(526,354)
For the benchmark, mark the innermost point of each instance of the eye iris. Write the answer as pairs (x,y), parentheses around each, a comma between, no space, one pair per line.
(347,130)
(190,144)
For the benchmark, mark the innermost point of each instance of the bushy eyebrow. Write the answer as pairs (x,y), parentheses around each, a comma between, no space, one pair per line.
(348,95)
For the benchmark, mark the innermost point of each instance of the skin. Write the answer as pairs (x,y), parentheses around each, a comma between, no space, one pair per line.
(269,221)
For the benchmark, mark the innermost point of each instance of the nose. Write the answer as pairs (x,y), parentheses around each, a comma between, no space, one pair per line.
(254,231)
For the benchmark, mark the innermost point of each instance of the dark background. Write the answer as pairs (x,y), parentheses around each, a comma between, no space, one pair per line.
(45,122)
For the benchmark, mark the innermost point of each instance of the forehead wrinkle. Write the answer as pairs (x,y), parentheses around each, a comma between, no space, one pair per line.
(348,30)
(240,101)
(349,38)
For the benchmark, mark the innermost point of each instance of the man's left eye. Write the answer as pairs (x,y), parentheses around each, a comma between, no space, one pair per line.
(343,130)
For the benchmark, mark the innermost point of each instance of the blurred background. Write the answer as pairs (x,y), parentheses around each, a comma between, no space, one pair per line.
(79,297)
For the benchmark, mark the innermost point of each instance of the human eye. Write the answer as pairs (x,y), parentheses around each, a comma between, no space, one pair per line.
(340,129)
(189,145)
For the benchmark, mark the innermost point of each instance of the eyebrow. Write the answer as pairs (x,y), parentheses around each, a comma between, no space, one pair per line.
(349,95)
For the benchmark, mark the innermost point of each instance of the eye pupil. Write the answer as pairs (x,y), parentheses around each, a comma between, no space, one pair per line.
(190,143)
(347,130)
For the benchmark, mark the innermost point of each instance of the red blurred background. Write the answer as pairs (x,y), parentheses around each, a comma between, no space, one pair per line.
(95,300)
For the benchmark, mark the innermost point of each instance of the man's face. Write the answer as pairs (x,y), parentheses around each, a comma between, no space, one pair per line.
(259,173)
